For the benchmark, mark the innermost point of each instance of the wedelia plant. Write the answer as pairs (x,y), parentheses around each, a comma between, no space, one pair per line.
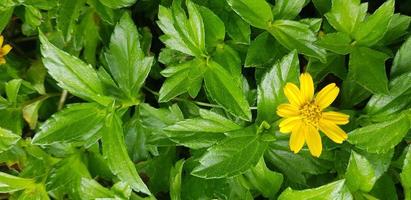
(205,99)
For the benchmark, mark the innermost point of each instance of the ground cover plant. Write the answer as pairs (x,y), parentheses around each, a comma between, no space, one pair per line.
(205,99)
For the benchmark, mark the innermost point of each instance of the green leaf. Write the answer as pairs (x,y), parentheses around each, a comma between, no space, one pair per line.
(199,188)
(68,14)
(365,169)
(237,28)
(297,35)
(338,42)
(375,26)
(334,190)
(322,6)
(396,100)
(255,12)
(367,68)
(115,151)
(335,65)
(9,183)
(384,188)
(5,16)
(175,180)
(62,174)
(118,3)
(224,89)
(36,191)
(402,59)
(352,92)
(42,4)
(288,9)
(232,156)
(31,112)
(230,59)
(213,126)
(263,179)
(295,167)
(36,75)
(76,123)
(182,34)
(125,58)
(263,51)
(11,119)
(7,139)
(106,14)
(91,41)
(72,74)
(184,77)
(346,15)
(397,28)
(210,122)
(405,175)
(158,169)
(91,189)
(380,137)
(270,90)
(32,16)
(214,28)
(12,90)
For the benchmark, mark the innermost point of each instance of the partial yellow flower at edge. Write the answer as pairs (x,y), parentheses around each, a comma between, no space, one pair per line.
(303,116)
(4,50)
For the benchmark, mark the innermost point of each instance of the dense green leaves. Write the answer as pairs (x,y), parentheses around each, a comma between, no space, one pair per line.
(126,60)
(270,90)
(232,156)
(11,183)
(372,78)
(68,14)
(224,89)
(8,139)
(177,99)
(402,59)
(114,149)
(346,15)
(182,33)
(396,100)
(287,9)
(117,4)
(76,123)
(72,74)
(381,137)
(263,179)
(334,190)
(374,27)
(297,35)
(365,169)
(406,174)
(255,12)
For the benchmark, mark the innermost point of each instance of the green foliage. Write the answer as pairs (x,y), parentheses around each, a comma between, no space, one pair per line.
(177,99)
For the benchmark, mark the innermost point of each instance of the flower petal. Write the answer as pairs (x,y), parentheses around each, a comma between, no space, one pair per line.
(287,110)
(287,124)
(293,94)
(307,86)
(2,61)
(332,131)
(336,117)
(6,49)
(1,40)
(313,139)
(297,138)
(327,95)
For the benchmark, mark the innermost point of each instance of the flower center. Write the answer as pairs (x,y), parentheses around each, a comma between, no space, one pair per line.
(310,113)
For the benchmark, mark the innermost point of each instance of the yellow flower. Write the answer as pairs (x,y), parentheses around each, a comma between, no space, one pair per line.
(304,115)
(4,50)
